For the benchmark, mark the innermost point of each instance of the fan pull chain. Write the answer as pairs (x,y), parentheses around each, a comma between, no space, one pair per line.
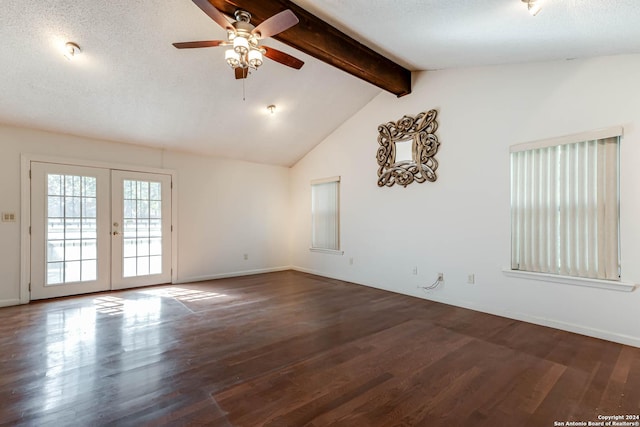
(243,90)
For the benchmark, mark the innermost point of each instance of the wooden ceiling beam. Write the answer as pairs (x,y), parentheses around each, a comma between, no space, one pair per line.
(317,38)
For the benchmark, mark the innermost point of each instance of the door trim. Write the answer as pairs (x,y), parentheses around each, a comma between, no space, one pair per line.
(25,209)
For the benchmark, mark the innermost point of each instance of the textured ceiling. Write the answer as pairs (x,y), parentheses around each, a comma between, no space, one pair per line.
(131,85)
(437,34)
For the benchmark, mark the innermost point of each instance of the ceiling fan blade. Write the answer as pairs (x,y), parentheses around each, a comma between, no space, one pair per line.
(191,45)
(241,73)
(214,14)
(283,58)
(276,24)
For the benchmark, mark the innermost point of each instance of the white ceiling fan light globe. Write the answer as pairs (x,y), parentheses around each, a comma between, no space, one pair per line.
(255,58)
(232,58)
(240,45)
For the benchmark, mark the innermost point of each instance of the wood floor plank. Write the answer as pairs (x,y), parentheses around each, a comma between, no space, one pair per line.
(294,349)
(324,377)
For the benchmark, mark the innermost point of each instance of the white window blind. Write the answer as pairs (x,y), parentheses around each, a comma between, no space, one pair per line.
(565,208)
(325,209)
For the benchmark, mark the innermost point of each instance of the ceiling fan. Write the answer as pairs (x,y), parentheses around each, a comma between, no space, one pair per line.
(243,39)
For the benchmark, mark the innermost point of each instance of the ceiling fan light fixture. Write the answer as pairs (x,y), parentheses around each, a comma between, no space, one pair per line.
(241,45)
(243,38)
(232,58)
(255,58)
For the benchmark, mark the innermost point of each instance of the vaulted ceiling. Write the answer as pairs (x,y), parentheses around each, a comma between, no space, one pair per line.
(131,85)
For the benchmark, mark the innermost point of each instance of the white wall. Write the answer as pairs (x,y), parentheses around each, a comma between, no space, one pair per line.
(460,224)
(228,209)
(225,208)
(457,225)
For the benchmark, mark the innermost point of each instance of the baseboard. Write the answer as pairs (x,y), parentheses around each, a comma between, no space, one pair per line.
(232,274)
(328,276)
(551,323)
(9,302)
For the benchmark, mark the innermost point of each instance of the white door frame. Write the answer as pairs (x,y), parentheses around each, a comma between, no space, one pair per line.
(25,210)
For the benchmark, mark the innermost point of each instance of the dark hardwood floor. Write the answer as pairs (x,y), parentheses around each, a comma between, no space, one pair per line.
(292,349)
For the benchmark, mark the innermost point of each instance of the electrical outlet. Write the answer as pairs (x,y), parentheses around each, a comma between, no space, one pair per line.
(415,271)
(350,261)
(440,277)
(471,279)
(246,257)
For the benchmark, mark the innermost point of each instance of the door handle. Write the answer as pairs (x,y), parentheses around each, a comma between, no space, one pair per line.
(115,233)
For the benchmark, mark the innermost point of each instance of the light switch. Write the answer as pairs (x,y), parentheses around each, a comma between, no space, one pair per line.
(8,217)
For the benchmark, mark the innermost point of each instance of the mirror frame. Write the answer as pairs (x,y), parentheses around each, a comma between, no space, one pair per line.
(422,167)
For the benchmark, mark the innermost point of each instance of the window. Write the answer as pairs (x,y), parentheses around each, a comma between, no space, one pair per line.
(565,206)
(325,214)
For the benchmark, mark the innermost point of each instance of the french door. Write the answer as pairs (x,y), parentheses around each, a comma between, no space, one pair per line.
(95,229)
(141,229)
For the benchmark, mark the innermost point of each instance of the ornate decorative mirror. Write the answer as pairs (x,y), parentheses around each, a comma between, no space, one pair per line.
(407,150)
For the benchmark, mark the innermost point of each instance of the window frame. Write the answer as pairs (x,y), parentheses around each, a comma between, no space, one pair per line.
(615,284)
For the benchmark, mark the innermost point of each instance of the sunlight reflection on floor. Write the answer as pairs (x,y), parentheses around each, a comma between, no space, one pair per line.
(113,305)
(183,294)
(109,305)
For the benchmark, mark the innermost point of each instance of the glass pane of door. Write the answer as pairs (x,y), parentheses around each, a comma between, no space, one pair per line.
(71,229)
(142,217)
(142,236)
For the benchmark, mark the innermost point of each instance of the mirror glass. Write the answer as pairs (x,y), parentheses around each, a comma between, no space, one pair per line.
(403,150)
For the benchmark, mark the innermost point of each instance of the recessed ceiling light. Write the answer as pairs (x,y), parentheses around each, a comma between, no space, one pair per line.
(71,50)
(533,6)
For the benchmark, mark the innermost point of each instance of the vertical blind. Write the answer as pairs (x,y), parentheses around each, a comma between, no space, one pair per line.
(565,209)
(325,228)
